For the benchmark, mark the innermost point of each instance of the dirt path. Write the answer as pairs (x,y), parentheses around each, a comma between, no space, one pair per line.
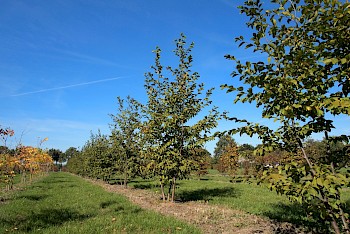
(209,218)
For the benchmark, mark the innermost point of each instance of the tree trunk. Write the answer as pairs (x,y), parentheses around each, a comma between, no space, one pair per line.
(173,192)
(162,189)
(126,169)
(324,198)
(169,192)
(125,179)
(335,227)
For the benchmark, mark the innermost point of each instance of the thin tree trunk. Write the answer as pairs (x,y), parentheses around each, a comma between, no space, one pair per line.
(126,169)
(169,192)
(174,187)
(324,198)
(335,226)
(162,189)
(125,179)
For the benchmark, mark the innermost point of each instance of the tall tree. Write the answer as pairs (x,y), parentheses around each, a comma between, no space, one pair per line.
(224,141)
(246,147)
(305,78)
(126,132)
(246,151)
(172,107)
(55,154)
(71,152)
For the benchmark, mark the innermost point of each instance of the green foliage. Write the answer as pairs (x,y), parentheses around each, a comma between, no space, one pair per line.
(97,159)
(305,78)
(224,141)
(228,159)
(338,152)
(71,152)
(214,188)
(317,188)
(126,133)
(173,104)
(56,155)
(246,147)
(202,159)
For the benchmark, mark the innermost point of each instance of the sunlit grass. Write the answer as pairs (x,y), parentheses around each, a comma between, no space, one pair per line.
(62,203)
(217,189)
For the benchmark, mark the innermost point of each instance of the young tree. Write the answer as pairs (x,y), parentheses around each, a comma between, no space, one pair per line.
(5,133)
(247,158)
(32,161)
(224,141)
(7,161)
(173,105)
(126,133)
(202,159)
(305,78)
(228,159)
(99,161)
(75,163)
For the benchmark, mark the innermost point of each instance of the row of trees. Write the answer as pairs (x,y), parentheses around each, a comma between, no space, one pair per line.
(26,161)
(233,159)
(60,157)
(164,137)
(304,81)
(104,157)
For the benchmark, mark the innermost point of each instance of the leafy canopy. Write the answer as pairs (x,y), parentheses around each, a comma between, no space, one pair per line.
(303,81)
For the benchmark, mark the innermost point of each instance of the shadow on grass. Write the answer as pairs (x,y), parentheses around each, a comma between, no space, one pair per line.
(55,181)
(206,179)
(207,194)
(33,197)
(132,210)
(106,204)
(145,186)
(117,181)
(44,219)
(120,181)
(296,215)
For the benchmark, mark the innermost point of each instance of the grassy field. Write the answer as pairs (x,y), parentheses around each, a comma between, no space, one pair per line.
(62,203)
(249,197)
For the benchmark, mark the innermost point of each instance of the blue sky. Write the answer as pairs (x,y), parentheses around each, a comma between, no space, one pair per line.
(63,63)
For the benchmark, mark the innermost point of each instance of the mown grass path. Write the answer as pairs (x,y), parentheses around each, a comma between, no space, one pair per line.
(209,218)
(63,203)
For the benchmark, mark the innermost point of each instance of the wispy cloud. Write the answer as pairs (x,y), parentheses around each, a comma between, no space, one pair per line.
(61,125)
(87,58)
(66,87)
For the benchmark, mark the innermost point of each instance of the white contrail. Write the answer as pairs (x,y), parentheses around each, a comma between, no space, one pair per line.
(68,86)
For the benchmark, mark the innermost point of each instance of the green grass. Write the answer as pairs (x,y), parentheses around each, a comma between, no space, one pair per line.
(16,180)
(249,197)
(62,203)
(217,189)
